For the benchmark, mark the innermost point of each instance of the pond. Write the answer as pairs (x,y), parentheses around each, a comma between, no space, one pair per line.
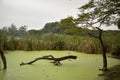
(85,67)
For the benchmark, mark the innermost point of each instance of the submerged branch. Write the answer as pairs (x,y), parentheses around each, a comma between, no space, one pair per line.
(56,61)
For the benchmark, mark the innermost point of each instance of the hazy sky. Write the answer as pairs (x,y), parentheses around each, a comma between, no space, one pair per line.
(36,13)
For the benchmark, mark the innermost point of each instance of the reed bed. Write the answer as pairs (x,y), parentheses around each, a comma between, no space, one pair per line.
(85,44)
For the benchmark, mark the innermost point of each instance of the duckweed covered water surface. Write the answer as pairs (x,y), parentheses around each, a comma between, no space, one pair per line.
(85,67)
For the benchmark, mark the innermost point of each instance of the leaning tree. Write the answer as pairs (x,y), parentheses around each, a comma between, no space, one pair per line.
(97,13)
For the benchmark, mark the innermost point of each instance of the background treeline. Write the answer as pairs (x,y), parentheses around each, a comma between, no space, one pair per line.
(63,35)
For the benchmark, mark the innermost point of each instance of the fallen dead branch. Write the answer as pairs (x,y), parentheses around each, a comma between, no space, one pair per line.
(56,61)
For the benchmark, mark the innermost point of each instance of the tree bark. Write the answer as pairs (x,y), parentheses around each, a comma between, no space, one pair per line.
(3,59)
(56,61)
(103,51)
(99,37)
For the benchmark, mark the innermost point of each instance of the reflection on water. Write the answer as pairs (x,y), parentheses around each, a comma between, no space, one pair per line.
(2,74)
(84,68)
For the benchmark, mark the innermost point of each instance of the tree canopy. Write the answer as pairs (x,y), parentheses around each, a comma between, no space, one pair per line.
(68,26)
(99,12)
(64,26)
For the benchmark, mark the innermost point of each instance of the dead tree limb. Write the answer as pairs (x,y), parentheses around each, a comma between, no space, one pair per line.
(3,59)
(56,61)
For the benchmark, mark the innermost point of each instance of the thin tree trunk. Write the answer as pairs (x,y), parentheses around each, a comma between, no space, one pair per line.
(99,37)
(103,51)
(3,59)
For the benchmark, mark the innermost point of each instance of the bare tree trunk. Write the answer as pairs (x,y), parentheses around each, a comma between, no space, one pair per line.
(103,51)
(3,59)
(99,37)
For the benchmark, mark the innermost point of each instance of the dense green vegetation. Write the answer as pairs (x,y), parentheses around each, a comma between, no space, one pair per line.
(69,33)
(47,39)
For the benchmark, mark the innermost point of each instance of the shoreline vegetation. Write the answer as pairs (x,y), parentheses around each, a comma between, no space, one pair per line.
(74,39)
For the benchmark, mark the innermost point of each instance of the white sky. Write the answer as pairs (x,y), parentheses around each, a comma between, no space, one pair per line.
(36,13)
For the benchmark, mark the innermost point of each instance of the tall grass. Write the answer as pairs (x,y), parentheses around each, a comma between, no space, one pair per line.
(58,42)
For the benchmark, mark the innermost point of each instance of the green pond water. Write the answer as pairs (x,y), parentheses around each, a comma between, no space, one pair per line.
(85,67)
